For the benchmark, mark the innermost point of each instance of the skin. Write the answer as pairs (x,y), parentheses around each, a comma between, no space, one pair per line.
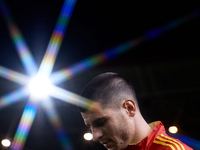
(114,128)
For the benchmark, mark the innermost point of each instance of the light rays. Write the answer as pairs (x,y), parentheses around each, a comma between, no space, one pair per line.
(57,124)
(19,42)
(13,97)
(13,76)
(70,97)
(24,126)
(57,37)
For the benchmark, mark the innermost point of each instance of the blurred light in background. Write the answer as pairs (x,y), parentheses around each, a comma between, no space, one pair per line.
(88,136)
(173,129)
(5,142)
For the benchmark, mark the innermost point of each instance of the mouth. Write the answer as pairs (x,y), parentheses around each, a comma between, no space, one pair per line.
(107,144)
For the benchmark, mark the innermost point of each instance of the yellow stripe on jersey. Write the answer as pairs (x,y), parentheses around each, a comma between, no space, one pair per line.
(164,140)
(164,144)
(173,140)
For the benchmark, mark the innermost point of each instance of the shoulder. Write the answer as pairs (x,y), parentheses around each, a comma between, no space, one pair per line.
(165,142)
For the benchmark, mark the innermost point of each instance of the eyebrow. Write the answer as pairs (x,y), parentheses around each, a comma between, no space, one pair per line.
(95,121)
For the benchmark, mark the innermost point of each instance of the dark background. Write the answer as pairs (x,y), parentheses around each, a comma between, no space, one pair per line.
(165,70)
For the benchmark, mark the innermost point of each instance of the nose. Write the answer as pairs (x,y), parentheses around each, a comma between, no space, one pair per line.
(97,134)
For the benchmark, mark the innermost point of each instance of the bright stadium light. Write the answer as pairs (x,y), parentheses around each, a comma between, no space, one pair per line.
(39,86)
(88,136)
(6,142)
(173,129)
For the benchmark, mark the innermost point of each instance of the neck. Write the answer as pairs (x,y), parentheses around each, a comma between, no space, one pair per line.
(142,129)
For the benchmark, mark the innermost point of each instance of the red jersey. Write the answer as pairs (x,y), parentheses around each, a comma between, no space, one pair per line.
(159,140)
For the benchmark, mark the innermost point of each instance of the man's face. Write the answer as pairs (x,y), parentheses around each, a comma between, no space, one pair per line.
(109,126)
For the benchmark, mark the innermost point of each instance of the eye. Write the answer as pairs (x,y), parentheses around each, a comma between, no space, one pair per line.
(100,122)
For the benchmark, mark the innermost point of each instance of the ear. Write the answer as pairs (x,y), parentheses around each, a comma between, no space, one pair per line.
(130,107)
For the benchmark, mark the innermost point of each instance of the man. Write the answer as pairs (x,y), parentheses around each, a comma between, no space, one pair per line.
(116,121)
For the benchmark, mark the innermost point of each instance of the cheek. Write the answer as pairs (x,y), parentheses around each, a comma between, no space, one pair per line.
(122,129)
(118,130)
(121,136)
(124,133)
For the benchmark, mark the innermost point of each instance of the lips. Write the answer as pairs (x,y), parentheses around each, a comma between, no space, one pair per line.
(107,144)
(104,142)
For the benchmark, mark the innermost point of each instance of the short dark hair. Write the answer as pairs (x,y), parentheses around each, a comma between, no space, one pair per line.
(109,89)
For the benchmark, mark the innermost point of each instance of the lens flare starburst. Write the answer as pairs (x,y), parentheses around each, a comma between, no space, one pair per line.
(39,84)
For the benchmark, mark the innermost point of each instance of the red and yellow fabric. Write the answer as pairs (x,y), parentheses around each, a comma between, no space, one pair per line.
(159,140)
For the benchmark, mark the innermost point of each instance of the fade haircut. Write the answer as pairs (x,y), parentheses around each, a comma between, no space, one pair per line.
(109,89)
